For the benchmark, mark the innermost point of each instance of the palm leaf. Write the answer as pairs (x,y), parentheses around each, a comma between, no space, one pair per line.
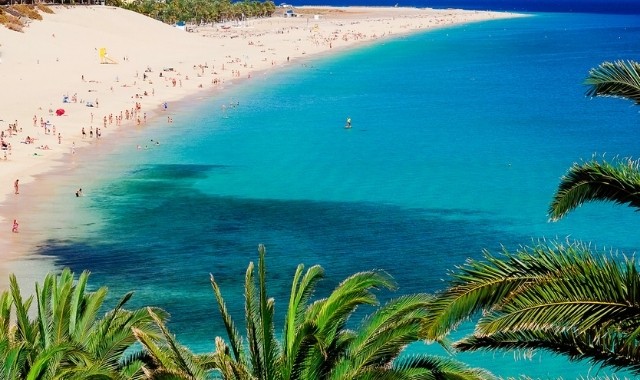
(601,347)
(434,367)
(76,302)
(301,291)
(298,333)
(226,365)
(179,360)
(48,358)
(43,302)
(618,79)
(597,181)
(268,341)
(481,285)
(161,357)
(252,313)
(354,291)
(25,329)
(232,332)
(595,292)
(61,292)
(6,303)
(91,304)
(13,360)
(385,333)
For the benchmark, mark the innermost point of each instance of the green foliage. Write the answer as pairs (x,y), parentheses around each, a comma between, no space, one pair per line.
(617,182)
(617,79)
(317,342)
(66,338)
(562,298)
(168,359)
(198,11)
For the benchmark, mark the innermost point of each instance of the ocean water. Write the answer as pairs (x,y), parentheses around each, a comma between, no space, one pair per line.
(459,139)
(572,6)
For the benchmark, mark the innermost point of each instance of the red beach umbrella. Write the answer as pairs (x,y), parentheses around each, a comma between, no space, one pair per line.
(59,112)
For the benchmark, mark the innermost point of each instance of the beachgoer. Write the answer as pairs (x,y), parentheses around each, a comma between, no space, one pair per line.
(14,229)
(348,122)
(16,186)
(79,193)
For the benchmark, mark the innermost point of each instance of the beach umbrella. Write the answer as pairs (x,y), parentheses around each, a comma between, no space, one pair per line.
(59,112)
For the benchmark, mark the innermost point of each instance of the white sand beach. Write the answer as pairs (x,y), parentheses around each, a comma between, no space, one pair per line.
(55,64)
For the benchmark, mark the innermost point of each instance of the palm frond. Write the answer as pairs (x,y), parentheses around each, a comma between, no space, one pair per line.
(6,302)
(24,330)
(617,182)
(481,285)
(301,291)
(271,349)
(548,284)
(48,358)
(77,303)
(179,360)
(601,347)
(354,291)
(595,292)
(232,332)
(252,315)
(160,357)
(385,333)
(228,367)
(435,367)
(617,79)
(13,360)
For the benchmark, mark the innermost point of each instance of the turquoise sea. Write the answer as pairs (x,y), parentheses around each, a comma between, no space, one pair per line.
(459,139)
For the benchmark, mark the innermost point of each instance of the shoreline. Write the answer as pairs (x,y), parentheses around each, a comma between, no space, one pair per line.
(57,57)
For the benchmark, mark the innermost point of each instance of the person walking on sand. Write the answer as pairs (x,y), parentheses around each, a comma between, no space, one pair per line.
(16,186)
(14,229)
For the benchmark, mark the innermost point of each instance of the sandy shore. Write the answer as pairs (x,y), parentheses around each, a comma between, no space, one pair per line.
(56,65)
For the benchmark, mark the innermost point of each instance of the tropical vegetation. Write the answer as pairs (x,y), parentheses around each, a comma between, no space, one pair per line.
(318,340)
(561,297)
(199,11)
(14,16)
(63,336)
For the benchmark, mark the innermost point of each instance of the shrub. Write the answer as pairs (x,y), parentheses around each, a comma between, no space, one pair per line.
(28,10)
(11,22)
(44,8)
(16,26)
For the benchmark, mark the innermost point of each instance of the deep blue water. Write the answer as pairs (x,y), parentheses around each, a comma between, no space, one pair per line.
(572,6)
(459,139)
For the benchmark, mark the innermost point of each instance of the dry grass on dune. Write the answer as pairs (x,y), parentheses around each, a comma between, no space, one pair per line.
(16,17)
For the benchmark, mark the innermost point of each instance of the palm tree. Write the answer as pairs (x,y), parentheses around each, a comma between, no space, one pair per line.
(316,341)
(559,297)
(617,79)
(618,182)
(563,298)
(66,338)
(168,359)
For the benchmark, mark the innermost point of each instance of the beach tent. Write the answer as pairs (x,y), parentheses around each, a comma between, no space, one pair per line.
(59,112)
